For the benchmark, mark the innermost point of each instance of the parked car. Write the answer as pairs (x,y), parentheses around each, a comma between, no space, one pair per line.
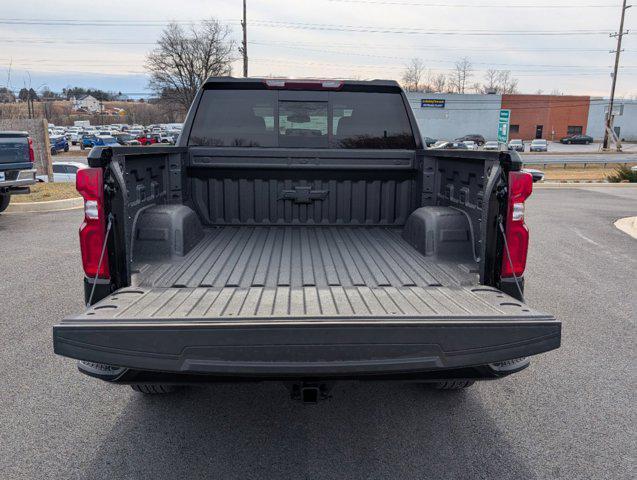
(58,144)
(164,138)
(492,145)
(471,145)
(444,145)
(148,138)
(428,141)
(516,145)
(201,280)
(76,136)
(105,141)
(539,145)
(577,139)
(478,139)
(538,175)
(126,139)
(66,171)
(16,166)
(88,141)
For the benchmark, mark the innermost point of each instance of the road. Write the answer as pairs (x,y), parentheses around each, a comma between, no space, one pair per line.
(571,415)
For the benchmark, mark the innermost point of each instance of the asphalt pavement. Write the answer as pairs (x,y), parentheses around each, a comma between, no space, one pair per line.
(570,415)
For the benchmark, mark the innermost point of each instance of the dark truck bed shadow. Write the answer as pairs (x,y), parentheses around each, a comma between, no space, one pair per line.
(254,431)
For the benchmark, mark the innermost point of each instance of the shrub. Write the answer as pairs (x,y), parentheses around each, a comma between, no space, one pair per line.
(623,174)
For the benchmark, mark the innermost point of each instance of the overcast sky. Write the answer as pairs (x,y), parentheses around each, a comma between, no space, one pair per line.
(56,44)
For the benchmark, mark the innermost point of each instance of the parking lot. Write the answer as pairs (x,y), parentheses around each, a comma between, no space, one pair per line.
(568,416)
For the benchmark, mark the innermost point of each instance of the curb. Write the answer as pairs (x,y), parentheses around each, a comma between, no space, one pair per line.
(583,184)
(50,206)
(628,225)
(576,154)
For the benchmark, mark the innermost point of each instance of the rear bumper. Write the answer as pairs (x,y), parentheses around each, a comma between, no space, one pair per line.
(17,179)
(304,349)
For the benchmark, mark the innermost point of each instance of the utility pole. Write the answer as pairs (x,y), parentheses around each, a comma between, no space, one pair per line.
(610,116)
(244,47)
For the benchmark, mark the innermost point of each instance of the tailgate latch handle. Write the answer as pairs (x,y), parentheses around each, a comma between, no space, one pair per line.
(303,195)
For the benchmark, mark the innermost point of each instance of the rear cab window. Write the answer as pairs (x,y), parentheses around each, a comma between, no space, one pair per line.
(298,119)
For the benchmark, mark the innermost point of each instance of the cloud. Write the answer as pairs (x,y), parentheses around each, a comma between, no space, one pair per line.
(326,38)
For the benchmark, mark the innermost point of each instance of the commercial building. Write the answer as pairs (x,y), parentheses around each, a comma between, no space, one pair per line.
(546,116)
(448,116)
(625,124)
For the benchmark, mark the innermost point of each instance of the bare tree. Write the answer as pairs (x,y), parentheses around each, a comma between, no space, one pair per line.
(490,81)
(477,87)
(506,83)
(499,82)
(185,58)
(438,82)
(413,75)
(461,75)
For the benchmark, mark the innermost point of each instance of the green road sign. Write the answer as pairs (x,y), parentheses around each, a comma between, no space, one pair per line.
(503,126)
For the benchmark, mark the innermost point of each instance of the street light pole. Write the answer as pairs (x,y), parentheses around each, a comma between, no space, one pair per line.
(244,48)
(619,35)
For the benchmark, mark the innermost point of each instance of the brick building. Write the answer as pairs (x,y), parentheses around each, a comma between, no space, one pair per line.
(546,116)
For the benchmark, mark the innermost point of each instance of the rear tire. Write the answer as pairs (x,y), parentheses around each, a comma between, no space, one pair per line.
(4,202)
(153,389)
(453,384)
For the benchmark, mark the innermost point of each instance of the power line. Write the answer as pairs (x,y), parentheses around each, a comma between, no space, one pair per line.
(496,49)
(492,49)
(542,69)
(420,31)
(529,73)
(536,67)
(394,57)
(312,26)
(469,5)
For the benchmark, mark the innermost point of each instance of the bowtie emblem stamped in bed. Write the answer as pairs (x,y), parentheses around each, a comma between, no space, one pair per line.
(303,195)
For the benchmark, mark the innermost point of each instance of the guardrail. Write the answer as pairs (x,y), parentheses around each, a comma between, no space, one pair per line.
(579,160)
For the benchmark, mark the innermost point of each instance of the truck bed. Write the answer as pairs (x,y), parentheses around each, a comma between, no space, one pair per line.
(296,257)
(247,272)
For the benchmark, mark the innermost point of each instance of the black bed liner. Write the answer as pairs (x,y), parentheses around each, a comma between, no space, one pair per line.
(296,256)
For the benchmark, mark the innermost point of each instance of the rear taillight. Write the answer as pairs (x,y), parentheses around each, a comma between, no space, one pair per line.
(89,182)
(517,235)
(31,151)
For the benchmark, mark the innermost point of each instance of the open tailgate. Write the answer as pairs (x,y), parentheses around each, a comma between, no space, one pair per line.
(305,331)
